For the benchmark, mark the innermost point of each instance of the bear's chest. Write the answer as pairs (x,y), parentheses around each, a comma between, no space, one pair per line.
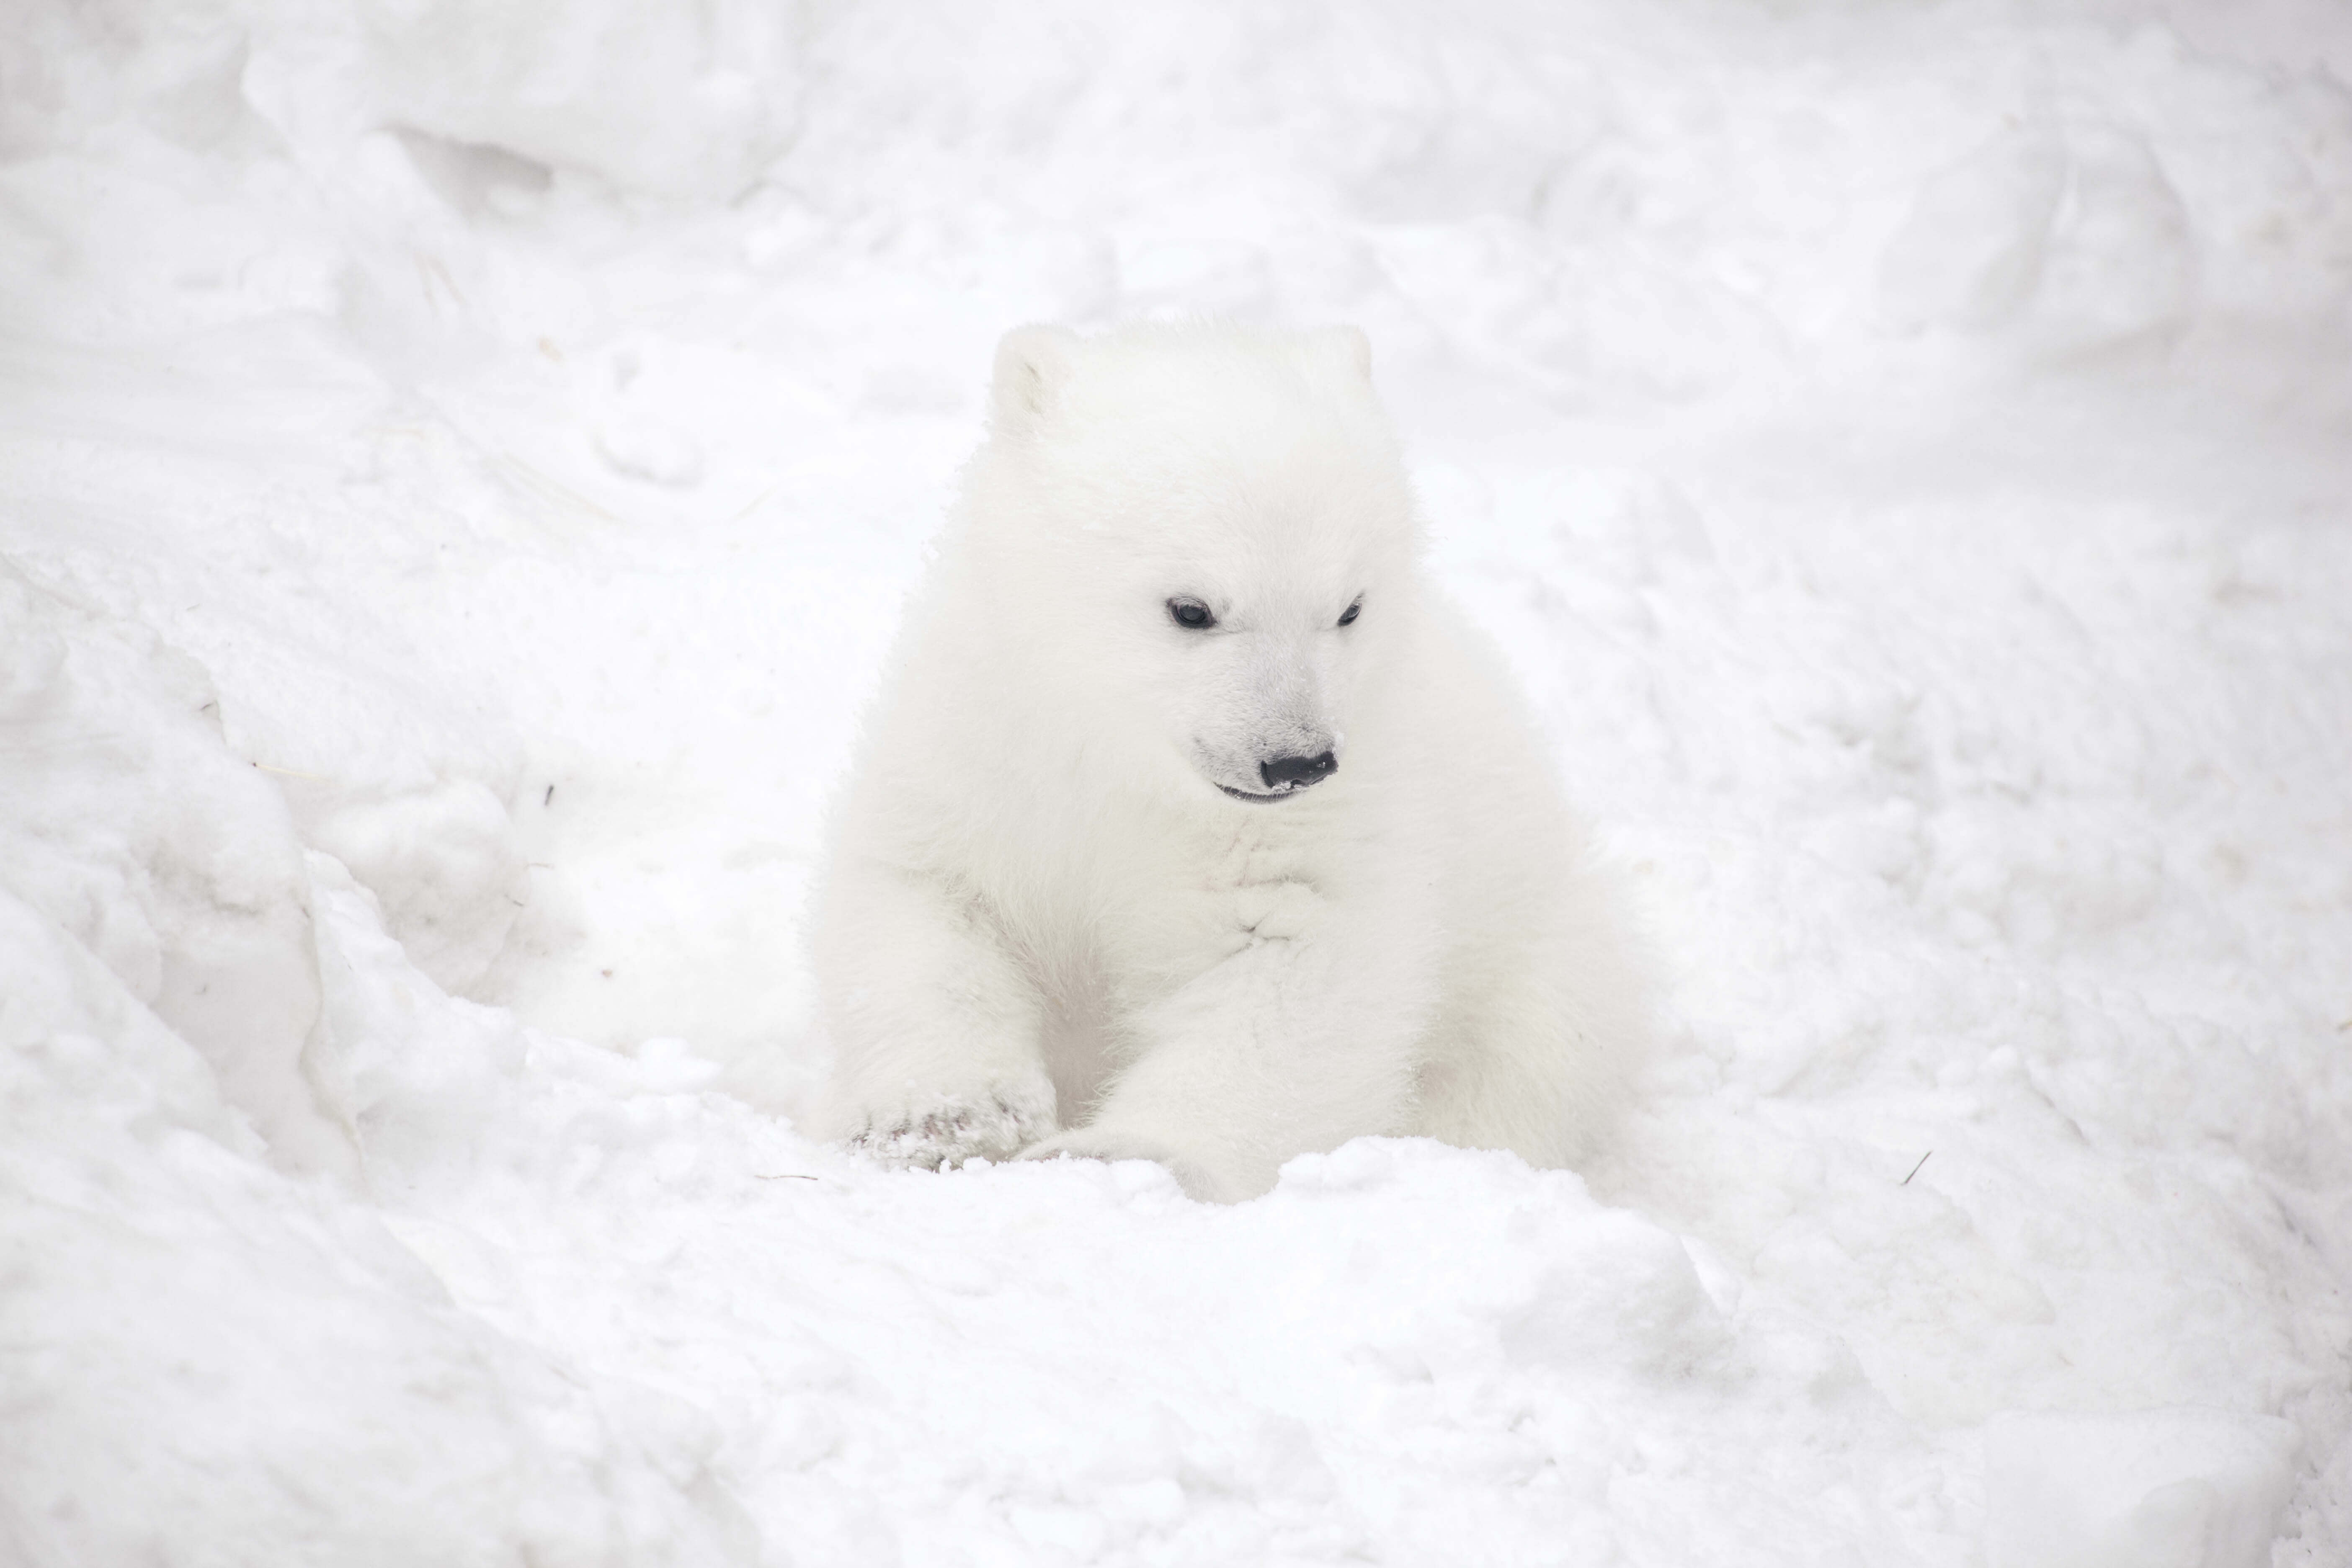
(1160,921)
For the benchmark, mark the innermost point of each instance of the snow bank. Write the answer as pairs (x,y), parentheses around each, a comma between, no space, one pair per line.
(127,827)
(210,1362)
(459,470)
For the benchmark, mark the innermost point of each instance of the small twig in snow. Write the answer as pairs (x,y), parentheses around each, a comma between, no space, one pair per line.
(1914,1169)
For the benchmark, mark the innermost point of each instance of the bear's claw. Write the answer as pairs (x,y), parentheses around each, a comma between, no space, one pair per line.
(948,1133)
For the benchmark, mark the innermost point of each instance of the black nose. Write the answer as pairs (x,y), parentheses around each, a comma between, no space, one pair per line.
(1296,772)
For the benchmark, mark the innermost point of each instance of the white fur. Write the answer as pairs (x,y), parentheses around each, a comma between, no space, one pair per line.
(1044,928)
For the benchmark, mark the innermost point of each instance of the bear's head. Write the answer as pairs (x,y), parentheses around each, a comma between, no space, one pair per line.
(1205,542)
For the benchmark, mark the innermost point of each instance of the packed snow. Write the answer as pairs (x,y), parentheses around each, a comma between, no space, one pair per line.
(459,468)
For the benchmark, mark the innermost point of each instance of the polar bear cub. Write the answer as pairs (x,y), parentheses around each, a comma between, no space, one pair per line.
(1193,823)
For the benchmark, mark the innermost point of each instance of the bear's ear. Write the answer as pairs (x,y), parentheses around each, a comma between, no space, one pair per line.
(1344,352)
(1032,365)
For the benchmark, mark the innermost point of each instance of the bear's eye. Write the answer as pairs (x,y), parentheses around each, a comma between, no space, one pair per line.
(1190,614)
(1347,616)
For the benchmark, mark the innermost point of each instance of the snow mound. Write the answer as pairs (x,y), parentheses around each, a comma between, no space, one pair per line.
(2153,1488)
(688,101)
(125,822)
(446,869)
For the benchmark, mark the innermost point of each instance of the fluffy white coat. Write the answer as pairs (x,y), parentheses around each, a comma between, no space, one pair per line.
(1076,904)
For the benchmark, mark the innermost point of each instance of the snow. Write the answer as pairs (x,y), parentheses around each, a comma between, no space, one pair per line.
(2165,1486)
(458,470)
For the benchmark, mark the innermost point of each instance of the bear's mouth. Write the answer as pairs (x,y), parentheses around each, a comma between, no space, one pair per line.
(1267,799)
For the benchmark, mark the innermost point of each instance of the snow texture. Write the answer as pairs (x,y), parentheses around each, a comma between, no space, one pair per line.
(460,467)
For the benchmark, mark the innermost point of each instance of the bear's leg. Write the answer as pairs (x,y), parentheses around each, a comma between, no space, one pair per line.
(936,1025)
(1284,1048)
(1538,1058)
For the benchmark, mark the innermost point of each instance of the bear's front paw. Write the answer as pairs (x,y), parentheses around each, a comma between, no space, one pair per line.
(991,1123)
(1112,1145)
